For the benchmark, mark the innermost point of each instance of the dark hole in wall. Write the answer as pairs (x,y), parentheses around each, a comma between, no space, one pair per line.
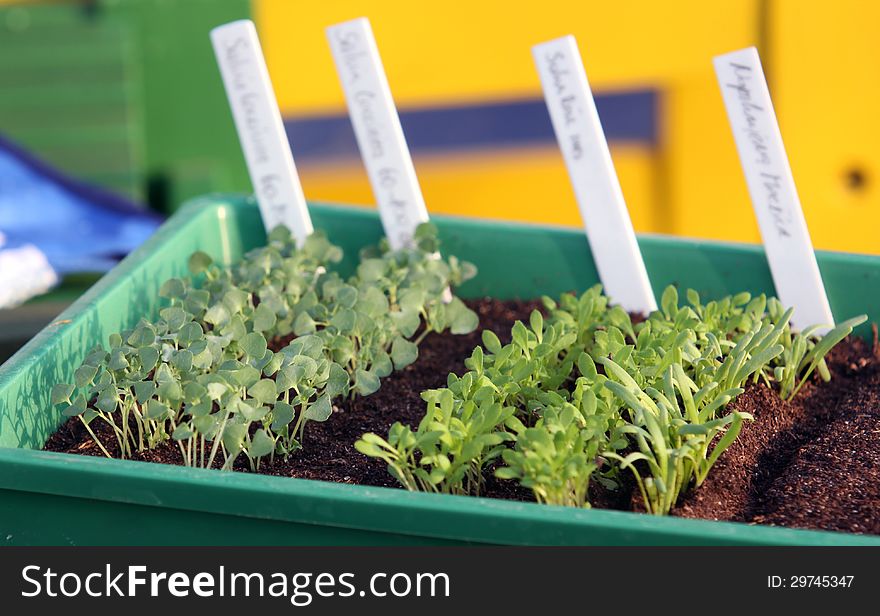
(856,179)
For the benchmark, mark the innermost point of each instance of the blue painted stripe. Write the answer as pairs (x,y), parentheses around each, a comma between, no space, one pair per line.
(626,116)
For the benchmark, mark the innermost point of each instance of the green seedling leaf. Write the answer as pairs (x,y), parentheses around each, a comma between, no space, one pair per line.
(233,437)
(175,317)
(156,410)
(190,333)
(282,415)
(61,393)
(217,315)
(263,391)
(149,357)
(669,301)
(199,262)
(250,412)
(247,376)
(344,320)
(320,410)
(142,336)
(347,296)
(172,288)
(303,324)
(403,353)
(263,319)
(107,400)
(77,407)
(74,410)
(365,382)
(261,444)
(144,390)
(382,365)
(254,345)
(235,300)
(337,381)
(536,321)
(170,390)
(491,342)
(84,375)
(183,360)
(407,322)
(216,390)
(371,270)
(117,360)
(462,320)
(182,432)
(206,425)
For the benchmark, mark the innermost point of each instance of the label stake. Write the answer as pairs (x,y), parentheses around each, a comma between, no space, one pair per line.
(260,128)
(378,131)
(596,187)
(771,187)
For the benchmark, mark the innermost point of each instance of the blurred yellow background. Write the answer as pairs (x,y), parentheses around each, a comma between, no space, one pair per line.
(470,102)
(822,60)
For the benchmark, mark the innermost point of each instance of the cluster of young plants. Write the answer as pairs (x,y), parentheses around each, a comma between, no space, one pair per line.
(587,394)
(209,375)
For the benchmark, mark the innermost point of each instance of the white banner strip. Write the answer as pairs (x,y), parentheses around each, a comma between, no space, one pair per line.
(771,187)
(596,187)
(378,131)
(260,128)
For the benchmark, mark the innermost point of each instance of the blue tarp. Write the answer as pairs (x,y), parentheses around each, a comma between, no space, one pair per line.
(80,228)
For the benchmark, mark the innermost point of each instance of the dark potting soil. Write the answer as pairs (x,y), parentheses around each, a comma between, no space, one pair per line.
(811,463)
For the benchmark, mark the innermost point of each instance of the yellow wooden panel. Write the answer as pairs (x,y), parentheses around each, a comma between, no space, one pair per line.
(436,52)
(519,184)
(705,190)
(825,77)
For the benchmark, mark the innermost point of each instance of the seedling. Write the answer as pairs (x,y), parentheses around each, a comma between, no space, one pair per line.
(203,375)
(585,393)
(554,459)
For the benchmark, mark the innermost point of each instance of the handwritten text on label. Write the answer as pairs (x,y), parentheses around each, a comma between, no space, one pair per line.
(771,187)
(260,128)
(771,182)
(377,128)
(591,170)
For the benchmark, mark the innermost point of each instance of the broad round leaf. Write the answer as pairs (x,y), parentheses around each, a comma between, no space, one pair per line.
(319,410)
(263,318)
(365,382)
(282,415)
(261,444)
(403,352)
(199,262)
(303,324)
(172,288)
(233,437)
(263,391)
(337,382)
(254,345)
(156,410)
(84,375)
(182,432)
(61,393)
(144,390)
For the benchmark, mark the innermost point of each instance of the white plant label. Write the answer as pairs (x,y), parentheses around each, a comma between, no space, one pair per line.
(596,187)
(771,187)
(260,128)
(378,131)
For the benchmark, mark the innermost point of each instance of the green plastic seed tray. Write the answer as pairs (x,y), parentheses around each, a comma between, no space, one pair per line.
(54,498)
